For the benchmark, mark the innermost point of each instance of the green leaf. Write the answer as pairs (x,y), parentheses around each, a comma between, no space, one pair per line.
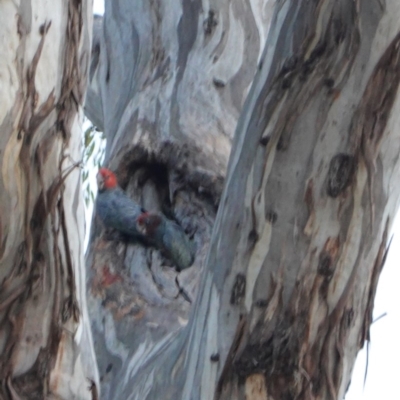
(90,150)
(88,136)
(92,155)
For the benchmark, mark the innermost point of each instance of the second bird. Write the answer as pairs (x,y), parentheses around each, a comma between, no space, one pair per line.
(169,237)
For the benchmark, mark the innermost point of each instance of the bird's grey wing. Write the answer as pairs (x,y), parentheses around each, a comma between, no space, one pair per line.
(126,212)
(178,245)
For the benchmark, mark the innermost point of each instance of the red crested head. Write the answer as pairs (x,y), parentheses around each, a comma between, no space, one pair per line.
(106,179)
(147,222)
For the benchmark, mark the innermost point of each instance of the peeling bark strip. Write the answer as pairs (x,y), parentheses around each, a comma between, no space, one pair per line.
(378,266)
(372,115)
(42,301)
(370,120)
(239,289)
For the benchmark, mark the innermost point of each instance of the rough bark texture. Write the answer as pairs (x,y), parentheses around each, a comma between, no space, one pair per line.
(286,295)
(46,348)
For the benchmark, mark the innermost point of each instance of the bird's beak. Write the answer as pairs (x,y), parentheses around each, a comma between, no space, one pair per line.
(100,182)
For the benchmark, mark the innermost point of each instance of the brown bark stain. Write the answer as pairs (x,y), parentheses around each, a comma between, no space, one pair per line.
(238,290)
(58,362)
(332,247)
(309,200)
(233,356)
(108,277)
(340,174)
(3,240)
(274,302)
(370,120)
(328,256)
(93,389)
(376,271)
(309,196)
(158,52)
(129,310)
(255,387)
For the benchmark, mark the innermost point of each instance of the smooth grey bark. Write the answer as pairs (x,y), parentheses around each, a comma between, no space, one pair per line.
(289,275)
(46,348)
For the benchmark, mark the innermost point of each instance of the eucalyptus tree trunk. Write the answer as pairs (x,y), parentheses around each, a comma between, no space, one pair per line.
(282,292)
(46,349)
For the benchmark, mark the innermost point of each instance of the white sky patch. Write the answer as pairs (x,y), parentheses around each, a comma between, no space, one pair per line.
(89,185)
(98,7)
